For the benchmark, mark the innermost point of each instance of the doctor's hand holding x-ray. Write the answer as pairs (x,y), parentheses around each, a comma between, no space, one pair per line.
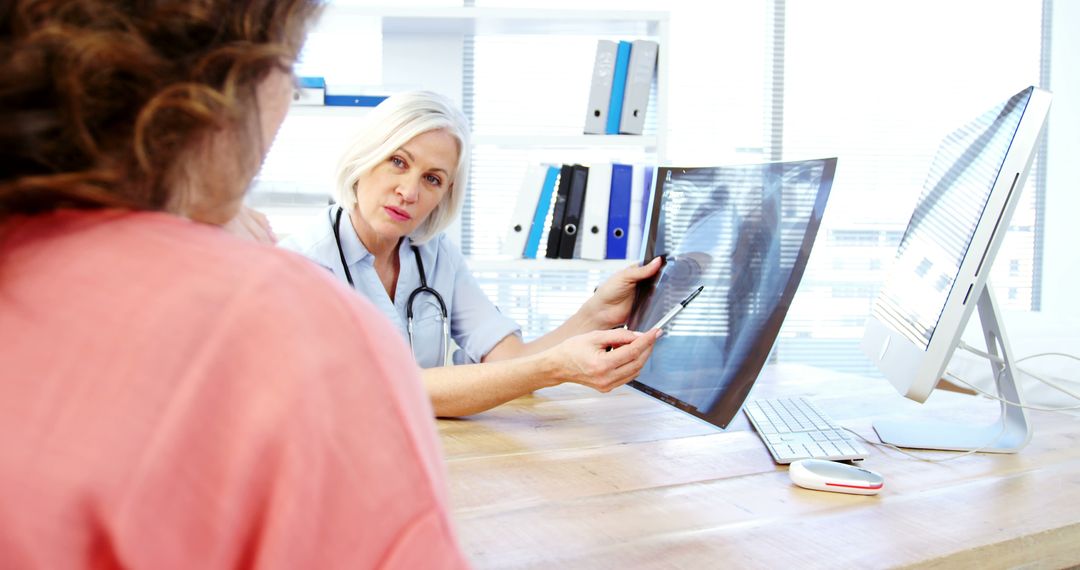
(399,184)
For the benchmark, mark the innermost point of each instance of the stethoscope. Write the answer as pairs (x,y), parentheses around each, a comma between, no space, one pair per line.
(423,288)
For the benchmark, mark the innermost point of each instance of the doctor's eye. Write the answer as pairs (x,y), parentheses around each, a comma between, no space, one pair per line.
(397,161)
(434,180)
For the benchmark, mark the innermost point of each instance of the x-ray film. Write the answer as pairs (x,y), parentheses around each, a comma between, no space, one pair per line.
(745,234)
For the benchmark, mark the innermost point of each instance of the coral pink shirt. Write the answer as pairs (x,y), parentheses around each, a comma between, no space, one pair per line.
(173,397)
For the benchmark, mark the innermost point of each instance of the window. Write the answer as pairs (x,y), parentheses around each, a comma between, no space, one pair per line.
(881,98)
(747,82)
(789,80)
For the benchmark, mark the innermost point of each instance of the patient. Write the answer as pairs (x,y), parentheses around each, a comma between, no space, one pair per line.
(172,396)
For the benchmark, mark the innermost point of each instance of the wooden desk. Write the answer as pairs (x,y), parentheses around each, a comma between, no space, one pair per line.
(571,478)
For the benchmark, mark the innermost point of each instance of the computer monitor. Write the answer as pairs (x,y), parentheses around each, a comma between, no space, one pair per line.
(940,274)
(744,233)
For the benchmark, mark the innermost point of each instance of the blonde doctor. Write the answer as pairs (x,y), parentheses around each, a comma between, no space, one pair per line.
(400,183)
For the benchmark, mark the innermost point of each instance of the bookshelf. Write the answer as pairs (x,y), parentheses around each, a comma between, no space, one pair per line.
(427,47)
(452,50)
(519,266)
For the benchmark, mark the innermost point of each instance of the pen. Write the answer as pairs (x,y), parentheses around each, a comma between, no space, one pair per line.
(677,309)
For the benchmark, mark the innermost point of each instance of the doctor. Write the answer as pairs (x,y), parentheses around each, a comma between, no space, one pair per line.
(399,184)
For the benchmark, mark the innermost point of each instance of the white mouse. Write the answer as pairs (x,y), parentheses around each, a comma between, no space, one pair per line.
(822,475)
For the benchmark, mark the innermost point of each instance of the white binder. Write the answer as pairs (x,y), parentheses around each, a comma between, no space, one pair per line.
(522,220)
(594,217)
(636,227)
(639,77)
(600,92)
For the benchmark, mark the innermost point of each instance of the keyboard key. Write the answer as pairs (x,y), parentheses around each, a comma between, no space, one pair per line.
(846,448)
(831,449)
(787,452)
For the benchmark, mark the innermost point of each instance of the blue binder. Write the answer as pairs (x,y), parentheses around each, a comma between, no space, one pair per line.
(543,206)
(619,210)
(618,87)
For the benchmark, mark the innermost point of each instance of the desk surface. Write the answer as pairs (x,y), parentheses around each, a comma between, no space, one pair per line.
(568,477)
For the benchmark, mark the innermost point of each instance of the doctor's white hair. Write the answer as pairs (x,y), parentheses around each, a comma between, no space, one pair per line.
(388,127)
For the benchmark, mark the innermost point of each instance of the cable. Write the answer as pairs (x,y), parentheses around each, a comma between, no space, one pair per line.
(1004,401)
(1047,381)
(1053,385)
(991,357)
(930,459)
(1001,432)
(998,360)
(1041,354)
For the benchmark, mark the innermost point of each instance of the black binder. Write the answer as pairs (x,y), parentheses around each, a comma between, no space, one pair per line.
(558,215)
(575,202)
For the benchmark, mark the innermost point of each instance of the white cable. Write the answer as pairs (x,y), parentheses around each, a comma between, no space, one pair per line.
(1004,401)
(986,355)
(1047,381)
(1041,354)
(1001,432)
(930,459)
(1053,384)
(1038,378)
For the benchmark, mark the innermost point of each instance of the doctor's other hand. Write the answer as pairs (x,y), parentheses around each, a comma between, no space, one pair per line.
(251,225)
(610,305)
(586,359)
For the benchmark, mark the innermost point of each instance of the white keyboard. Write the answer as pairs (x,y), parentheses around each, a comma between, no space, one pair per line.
(794,428)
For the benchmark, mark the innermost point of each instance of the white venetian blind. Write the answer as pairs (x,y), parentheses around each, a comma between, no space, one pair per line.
(772,80)
(881,98)
(877,84)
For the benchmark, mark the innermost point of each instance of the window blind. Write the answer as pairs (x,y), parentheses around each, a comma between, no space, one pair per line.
(748,82)
(881,98)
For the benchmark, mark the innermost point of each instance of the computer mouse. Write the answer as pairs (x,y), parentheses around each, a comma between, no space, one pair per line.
(822,475)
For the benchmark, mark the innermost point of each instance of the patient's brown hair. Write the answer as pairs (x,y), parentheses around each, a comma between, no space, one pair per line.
(100,102)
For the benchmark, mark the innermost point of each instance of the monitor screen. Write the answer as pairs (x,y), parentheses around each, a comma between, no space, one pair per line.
(941,266)
(939,275)
(939,234)
(744,234)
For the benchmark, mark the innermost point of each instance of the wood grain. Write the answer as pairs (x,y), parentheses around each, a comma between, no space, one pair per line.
(570,478)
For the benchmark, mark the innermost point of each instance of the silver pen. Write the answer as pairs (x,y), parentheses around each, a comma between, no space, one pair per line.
(677,309)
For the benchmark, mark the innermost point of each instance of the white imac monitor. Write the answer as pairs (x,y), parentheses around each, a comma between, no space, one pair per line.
(940,274)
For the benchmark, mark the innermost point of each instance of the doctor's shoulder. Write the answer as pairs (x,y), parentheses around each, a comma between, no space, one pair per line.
(315,241)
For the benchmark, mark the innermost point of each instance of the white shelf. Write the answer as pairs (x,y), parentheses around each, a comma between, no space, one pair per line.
(522,265)
(426,47)
(567,141)
(427,42)
(647,142)
(462,20)
(327,111)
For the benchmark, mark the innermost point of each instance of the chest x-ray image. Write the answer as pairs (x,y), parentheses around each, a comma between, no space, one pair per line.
(745,234)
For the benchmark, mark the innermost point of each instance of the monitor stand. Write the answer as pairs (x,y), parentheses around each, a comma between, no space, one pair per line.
(1008,434)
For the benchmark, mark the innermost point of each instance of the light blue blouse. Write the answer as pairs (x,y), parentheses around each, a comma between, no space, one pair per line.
(476,324)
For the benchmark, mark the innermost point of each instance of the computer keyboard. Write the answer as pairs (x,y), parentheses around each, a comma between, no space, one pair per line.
(794,428)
